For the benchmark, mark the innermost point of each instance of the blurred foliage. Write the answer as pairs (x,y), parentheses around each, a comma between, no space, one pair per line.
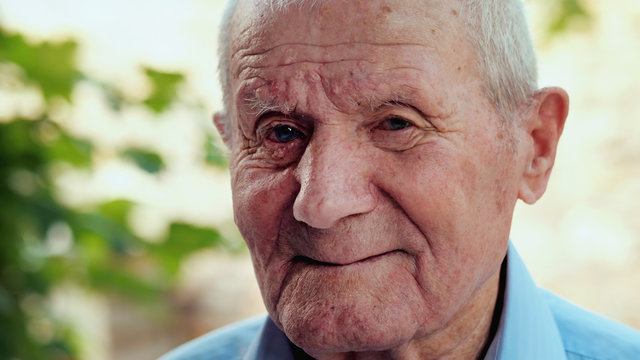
(45,243)
(564,15)
(49,66)
(214,155)
(165,89)
(147,160)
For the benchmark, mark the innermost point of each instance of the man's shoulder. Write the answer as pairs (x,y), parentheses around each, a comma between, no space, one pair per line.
(230,342)
(587,336)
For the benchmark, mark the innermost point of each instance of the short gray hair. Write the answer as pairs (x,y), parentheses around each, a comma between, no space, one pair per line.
(497,30)
(505,58)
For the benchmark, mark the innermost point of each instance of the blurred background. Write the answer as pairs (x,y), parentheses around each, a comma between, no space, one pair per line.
(116,231)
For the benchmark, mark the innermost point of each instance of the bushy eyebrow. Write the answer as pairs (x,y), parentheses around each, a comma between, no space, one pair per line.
(260,107)
(402,103)
(372,104)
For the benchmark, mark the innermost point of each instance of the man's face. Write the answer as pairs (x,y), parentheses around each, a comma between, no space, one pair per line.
(372,179)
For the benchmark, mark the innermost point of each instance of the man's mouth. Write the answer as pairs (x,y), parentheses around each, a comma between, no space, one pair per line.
(314,262)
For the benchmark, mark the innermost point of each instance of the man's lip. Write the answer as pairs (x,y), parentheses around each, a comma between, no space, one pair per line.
(311,261)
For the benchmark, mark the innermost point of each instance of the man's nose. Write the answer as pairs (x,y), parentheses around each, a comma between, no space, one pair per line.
(335,181)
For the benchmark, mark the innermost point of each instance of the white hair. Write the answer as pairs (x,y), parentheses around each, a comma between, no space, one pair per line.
(496,29)
(505,59)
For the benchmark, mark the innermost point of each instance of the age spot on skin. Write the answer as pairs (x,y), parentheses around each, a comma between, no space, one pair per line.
(386,9)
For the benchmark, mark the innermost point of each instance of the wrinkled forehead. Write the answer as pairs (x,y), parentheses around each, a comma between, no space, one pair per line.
(260,25)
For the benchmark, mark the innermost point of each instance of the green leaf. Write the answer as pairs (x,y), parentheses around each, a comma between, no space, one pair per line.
(186,238)
(215,155)
(182,240)
(111,278)
(51,66)
(57,270)
(117,210)
(119,238)
(567,13)
(148,161)
(92,248)
(31,144)
(165,89)
(69,149)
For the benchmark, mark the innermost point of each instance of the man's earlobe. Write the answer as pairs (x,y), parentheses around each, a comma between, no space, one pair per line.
(544,127)
(221,120)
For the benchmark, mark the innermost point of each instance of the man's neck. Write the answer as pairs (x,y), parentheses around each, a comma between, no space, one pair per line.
(470,333)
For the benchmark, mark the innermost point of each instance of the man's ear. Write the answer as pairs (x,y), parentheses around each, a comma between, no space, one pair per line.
(222,122)
(544,126)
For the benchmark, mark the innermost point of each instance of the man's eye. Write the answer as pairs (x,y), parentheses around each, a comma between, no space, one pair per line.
(285,134)
(395,123)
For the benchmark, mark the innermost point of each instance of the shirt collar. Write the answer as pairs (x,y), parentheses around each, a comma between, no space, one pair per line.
(270,343)
(527,329)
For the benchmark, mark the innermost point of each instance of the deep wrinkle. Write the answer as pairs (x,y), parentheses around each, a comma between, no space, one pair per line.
(324,55)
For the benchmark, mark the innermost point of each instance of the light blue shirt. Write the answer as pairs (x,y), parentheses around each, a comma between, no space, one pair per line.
(534,324)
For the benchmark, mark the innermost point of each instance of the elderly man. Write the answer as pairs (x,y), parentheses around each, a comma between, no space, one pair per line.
(378,149)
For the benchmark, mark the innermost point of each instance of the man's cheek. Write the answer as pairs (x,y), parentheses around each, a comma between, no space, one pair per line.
(262,199)
(262,196)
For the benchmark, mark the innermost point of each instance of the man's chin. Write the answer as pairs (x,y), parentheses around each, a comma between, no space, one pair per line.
(358,320)
(335,330)
(371,305)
